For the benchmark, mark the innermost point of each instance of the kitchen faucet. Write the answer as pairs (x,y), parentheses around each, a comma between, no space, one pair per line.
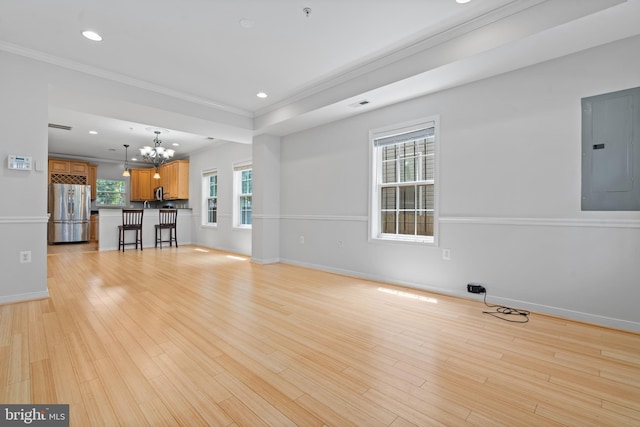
(146,204)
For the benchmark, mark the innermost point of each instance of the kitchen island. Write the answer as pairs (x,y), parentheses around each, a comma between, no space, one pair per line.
(111,218)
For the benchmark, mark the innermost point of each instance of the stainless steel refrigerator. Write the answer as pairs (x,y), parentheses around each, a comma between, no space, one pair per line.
(69,206)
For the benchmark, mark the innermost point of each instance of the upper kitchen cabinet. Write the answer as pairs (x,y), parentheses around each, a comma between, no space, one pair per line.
(58,166)
(62,171)
(174,177)
(93,180)
(68,167)
(142,185)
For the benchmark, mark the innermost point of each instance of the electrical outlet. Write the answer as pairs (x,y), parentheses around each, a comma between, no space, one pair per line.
(446,254)
(301,240)
(340,243)
(25,257)
(476,288)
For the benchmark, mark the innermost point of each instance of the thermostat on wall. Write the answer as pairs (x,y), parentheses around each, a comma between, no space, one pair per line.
(20,162)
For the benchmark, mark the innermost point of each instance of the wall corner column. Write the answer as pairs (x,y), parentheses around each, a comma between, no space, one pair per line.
(265,240)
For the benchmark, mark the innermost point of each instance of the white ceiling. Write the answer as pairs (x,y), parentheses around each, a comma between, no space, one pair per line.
(312,67)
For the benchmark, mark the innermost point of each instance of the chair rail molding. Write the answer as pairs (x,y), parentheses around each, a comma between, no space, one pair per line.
(24,219)
(543,222)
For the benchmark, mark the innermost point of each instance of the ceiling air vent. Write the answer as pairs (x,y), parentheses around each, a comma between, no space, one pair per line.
(63,127)
(359,104)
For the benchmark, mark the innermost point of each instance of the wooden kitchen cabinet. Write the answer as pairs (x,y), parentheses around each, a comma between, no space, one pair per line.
(93,228)
(66,171)
(142,185)
(174,177)
(78,168)
(58,166)
(167,180)
(93,179)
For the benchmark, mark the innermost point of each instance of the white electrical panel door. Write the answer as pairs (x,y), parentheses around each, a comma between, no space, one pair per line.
(610,154)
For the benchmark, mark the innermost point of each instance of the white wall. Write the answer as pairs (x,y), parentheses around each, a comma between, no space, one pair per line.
(510,159)
(23,212)
(224,236)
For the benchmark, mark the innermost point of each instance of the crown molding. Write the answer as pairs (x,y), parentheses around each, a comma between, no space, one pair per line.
(398,53)
(118,78)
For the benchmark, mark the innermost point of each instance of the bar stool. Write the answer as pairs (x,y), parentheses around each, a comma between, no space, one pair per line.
(131,220)
(167,221)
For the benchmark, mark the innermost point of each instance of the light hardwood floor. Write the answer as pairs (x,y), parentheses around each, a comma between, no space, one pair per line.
(192,336)
(72,247)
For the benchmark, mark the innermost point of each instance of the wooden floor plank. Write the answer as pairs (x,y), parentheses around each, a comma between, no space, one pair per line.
(254,401)
(19,357)
(43,391)
(242,415)
(191,336)
(37,341)
(176,403)
(118,394)
(269,392)
(6,323)
(97,405)
(176,369)
(157,413)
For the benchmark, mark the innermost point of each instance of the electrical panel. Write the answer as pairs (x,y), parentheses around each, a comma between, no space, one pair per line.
(611,151)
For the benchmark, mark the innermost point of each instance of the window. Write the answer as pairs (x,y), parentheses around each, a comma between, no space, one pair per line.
(110,192)
(210,197)
(404,183)
(243,188)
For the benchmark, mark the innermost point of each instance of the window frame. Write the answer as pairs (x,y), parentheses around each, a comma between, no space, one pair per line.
(206,196)
(375,164)
(123,193)
(238,169)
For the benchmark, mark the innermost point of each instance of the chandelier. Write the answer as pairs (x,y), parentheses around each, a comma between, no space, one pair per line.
(156,155)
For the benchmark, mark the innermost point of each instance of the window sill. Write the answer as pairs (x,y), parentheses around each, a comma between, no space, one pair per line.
(209,225)
(425,241)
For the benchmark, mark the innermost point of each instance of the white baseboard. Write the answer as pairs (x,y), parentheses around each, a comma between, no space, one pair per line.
(24,297)
(265,261)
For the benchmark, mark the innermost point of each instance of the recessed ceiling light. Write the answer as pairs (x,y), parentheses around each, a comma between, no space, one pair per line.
(261,95)
(93,132)
(462,1)
(246,23)
(175,144)
(92,35)
(153,130)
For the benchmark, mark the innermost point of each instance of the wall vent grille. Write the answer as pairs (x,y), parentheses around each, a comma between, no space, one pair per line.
(62,127)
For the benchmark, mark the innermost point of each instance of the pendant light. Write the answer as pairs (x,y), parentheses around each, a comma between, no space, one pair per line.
(126,160)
